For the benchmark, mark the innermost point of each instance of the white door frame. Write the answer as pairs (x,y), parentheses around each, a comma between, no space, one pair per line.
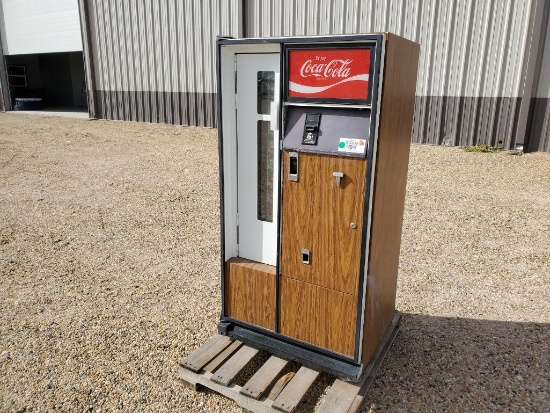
(257,238)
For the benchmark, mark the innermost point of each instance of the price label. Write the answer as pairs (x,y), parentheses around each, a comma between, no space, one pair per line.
(352,145)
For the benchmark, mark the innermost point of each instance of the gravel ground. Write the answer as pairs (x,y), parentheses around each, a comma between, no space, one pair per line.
(109,273)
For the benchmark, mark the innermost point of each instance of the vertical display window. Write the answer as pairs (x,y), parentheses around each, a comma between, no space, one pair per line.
(266,91)
(265,171)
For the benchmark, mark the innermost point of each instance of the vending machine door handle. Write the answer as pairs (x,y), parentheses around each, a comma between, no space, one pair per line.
(338,176)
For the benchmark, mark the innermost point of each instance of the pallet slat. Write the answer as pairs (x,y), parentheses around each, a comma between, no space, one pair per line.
(201,356)
(296,389)
(223,356)
(232,391)
(339,398)
(261,380)
(280,385)
(234,365)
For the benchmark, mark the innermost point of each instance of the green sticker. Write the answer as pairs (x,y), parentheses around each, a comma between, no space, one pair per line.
(342,145)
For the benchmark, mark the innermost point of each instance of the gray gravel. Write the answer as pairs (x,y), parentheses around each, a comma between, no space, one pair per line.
(109,273)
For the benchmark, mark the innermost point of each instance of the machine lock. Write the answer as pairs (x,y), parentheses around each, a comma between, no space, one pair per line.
(338,176)
(306,256)
(311,129)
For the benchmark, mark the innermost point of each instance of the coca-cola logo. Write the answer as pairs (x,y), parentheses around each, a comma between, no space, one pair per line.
(329,73)
(334,68)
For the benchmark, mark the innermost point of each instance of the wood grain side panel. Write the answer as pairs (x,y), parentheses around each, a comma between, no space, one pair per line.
(317,315)
(250,292)
(395,129)
(317,215)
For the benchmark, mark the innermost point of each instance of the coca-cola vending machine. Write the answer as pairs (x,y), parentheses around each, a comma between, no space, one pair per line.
(314,137)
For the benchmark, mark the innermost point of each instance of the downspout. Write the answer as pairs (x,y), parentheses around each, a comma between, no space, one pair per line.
(244,19)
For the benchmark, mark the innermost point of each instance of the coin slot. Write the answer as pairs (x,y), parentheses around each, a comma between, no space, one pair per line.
(293,166)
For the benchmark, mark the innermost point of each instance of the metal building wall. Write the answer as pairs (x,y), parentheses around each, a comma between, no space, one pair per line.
(473,61)
(153,60)
(540,123)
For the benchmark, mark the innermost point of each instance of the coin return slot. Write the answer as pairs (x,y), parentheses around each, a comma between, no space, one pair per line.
(311,129)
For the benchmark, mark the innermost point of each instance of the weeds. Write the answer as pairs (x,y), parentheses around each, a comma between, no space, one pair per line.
(481,148)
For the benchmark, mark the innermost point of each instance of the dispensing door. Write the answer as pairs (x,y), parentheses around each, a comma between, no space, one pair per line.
(324,186)
(258,155)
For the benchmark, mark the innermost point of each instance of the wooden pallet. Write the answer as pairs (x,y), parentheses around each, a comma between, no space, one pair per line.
(217,363)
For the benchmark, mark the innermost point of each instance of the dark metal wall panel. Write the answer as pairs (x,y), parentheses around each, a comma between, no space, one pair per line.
(540,127)
(455,120)
(154,60)
(539,136)
(111,104)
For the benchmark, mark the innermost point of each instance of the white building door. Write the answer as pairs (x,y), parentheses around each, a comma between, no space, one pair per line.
(258,155)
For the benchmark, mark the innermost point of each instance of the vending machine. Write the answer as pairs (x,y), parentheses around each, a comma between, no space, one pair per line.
(314,139)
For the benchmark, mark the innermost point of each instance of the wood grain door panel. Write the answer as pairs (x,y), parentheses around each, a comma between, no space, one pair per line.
(250,292)
(317,315)
(317,216)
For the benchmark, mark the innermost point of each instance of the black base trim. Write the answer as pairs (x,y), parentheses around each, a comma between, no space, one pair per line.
(223,328)
(309,358)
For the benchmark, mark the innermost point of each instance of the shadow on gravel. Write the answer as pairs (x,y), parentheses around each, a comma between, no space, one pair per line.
(460,364)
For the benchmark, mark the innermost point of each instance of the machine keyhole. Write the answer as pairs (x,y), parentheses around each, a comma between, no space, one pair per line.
(306,256)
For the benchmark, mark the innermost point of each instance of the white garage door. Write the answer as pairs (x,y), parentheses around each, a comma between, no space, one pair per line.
(40,26)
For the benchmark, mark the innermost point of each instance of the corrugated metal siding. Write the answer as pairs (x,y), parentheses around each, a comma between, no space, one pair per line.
(154,59)
(471,73)
(540,125)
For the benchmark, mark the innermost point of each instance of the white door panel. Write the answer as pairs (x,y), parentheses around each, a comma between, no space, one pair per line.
(258,155)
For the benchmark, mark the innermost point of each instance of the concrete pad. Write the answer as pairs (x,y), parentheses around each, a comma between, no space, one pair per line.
(63,112)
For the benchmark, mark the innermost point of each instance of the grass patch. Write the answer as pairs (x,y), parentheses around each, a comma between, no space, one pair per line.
(481,148)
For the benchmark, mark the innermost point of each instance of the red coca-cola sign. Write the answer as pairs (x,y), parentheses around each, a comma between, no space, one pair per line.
(329,73)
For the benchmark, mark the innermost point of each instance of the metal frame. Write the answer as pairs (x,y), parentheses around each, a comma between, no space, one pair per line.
(378,66)
(5,96)
(87,53)
(24,76)
(222,164)
(341,365)
(280,183)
